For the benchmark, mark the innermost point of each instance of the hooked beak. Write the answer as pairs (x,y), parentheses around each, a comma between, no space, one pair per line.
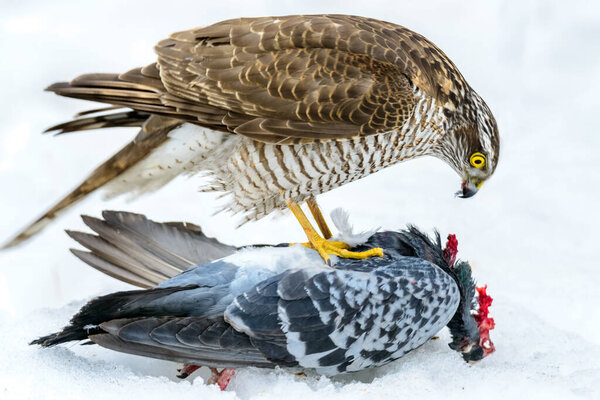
(467,189)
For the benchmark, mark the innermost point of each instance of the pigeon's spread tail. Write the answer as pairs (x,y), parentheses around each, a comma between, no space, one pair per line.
(136,250)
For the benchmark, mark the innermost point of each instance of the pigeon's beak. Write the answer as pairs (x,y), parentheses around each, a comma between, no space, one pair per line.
(478,352)
(473,353)
(467,189)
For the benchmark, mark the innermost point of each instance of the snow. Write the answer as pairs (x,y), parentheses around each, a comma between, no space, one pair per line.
(530,233)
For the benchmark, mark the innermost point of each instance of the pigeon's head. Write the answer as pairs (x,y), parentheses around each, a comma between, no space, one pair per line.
(470,326)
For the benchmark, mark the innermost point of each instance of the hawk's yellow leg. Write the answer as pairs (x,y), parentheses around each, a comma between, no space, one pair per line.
(318,216)
(328,247)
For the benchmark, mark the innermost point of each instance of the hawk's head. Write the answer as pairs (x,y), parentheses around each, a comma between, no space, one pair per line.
(471,145)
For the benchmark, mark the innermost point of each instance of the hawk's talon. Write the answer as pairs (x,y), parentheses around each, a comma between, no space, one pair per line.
(327,247)
(340,249)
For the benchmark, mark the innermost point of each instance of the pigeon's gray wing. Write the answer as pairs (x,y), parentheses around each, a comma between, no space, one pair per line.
(204,293)
(181,323)
(340,321)
(142,252)
(194,340)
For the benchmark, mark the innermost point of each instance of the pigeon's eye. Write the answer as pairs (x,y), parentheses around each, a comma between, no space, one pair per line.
(477,160)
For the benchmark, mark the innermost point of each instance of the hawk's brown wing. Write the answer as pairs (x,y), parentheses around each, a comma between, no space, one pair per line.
(281,79)
(284,79)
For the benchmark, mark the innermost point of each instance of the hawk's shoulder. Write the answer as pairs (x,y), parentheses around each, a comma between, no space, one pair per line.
(307,77)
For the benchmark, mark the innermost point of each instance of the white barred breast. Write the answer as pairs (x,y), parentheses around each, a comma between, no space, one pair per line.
(259,177)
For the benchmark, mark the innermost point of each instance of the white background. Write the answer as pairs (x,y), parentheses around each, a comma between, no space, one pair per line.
(531,232)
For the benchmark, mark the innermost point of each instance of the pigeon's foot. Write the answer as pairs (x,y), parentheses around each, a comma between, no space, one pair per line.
(325,247)
(340,249)
(221,378)
(187,370)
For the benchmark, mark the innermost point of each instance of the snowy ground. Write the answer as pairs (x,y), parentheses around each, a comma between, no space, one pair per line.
(528,232)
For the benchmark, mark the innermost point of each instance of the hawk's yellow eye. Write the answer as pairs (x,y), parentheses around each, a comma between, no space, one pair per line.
(477,160)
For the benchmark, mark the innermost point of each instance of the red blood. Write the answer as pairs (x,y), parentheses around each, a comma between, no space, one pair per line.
(224,377)
(221,378)
(484,322)
(451,250)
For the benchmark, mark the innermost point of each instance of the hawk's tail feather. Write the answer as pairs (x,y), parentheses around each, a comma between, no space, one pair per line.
(127,118)
(139,89)
(154,133)
(140,85)
(142,91)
